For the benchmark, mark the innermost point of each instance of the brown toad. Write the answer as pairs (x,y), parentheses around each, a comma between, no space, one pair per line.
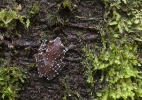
(49,58)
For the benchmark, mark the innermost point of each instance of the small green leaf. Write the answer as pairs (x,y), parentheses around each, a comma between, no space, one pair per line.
(99,94)
(137,21)
(124,1)
(139,28)
(138,39)
(113,23)
(27,23)
(3,95)
(90,79)
(116,35)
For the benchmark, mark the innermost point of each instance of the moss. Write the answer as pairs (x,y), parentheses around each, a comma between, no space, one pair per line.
(118,59)
(10,77)
(8,18)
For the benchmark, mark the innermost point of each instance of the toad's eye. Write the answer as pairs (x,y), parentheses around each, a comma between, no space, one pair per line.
(50,42)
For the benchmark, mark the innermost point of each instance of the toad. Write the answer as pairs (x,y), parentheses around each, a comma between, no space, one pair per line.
(49,59)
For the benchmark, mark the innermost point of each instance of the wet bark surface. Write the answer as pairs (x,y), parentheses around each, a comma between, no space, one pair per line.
(77,29)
